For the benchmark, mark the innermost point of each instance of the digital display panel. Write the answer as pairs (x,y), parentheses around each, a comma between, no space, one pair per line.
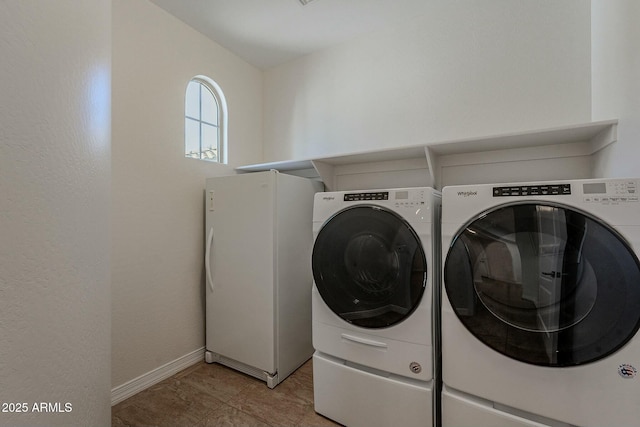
(594,188)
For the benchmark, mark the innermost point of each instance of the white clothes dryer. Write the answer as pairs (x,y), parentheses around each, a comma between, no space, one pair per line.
(375,264)
(541,304)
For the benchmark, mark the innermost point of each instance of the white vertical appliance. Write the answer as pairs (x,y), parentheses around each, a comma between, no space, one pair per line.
(541,304)
(258,272)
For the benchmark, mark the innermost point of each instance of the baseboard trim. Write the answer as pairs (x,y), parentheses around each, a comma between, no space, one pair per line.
(136,385)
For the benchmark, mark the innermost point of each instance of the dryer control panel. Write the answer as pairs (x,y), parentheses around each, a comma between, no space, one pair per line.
(611,191)
(532,190)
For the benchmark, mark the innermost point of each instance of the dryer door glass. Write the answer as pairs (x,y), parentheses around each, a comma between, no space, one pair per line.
(369,266)
(544,284)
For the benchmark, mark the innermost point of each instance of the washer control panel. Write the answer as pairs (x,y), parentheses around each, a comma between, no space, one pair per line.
(358,197)
(399,198)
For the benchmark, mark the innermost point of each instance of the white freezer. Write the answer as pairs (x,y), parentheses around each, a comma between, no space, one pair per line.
(258,272)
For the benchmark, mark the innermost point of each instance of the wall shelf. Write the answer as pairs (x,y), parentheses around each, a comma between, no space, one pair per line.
(569,149)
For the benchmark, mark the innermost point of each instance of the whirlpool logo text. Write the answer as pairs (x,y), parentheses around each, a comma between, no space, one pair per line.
(467,193)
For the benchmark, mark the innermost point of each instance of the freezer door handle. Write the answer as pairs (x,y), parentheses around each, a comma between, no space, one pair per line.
(364,341)
(207,259)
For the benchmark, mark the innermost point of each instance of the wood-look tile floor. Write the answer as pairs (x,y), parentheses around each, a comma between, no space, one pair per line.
(207,395)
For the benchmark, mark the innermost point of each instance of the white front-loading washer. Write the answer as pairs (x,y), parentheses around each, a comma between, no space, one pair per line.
(375,263)
(541,304)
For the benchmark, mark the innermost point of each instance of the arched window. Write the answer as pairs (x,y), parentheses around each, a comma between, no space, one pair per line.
(205,121)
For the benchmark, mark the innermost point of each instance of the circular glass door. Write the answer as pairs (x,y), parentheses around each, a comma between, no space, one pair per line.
(544,284)
(369,266)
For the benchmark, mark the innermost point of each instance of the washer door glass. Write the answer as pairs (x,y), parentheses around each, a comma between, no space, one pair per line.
(369,266)
(544,284)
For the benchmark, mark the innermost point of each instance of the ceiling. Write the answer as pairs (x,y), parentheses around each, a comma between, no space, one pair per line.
(267,33)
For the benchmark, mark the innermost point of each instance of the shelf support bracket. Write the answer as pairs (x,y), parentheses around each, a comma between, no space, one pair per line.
(434,166)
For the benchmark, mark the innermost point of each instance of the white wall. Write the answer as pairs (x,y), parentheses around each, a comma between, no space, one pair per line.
(158,222)
(468,68)
(54,211)
(616,82)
